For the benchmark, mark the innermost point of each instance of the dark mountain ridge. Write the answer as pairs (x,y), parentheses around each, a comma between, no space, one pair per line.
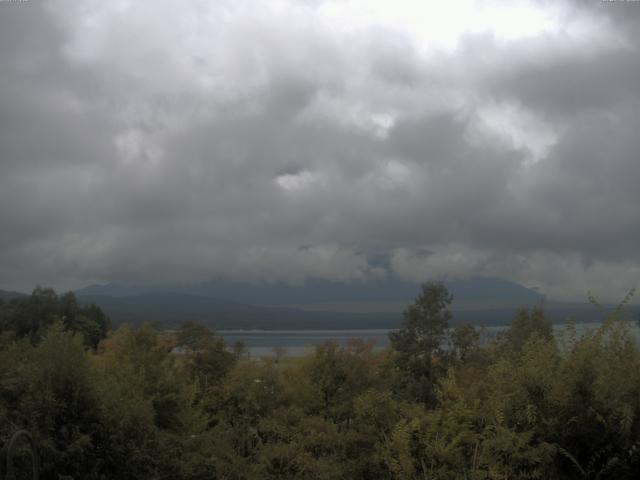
(9,295)
(324,291)
(318,304)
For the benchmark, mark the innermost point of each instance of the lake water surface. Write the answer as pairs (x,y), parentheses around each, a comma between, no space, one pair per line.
(299,342)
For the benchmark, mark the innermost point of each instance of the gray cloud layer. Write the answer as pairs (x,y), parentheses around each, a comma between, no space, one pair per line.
(176,141)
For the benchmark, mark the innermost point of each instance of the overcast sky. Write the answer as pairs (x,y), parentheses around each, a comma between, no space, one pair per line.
(168,141)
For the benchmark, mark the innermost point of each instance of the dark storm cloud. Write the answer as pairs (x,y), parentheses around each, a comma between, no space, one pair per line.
(177,142)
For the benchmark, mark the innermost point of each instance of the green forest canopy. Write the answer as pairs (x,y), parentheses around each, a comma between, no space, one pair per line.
(437,404)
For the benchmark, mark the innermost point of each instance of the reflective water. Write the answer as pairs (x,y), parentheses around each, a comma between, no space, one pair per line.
(300,342)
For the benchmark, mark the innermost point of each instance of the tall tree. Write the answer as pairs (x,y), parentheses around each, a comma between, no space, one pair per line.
(526,323)
(419,340)
(206,354)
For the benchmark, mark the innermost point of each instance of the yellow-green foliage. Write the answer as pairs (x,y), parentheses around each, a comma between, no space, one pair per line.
(522,407)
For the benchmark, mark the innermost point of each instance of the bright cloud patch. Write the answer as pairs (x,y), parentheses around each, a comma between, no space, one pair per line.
(299,181)
(517,128)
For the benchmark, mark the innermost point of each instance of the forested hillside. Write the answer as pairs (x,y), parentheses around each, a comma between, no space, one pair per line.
(438,404)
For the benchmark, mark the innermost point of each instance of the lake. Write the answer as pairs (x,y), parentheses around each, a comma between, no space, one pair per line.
(300,342)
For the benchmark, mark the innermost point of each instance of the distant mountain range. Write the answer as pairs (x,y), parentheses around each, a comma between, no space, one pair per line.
(317,304)
(316,291)
(170,309)
(6,295)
